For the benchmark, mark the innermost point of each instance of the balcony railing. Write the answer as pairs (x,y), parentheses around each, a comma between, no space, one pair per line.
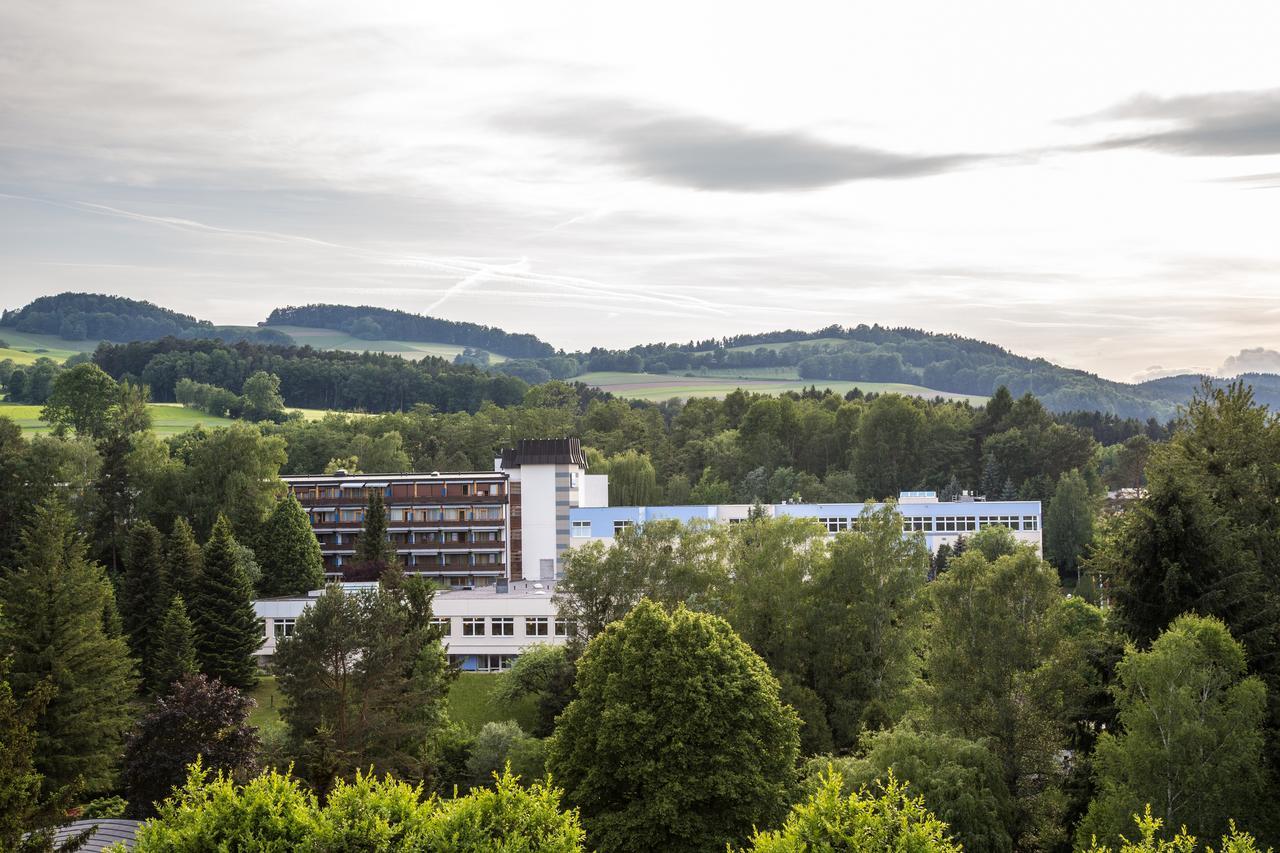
(422,500)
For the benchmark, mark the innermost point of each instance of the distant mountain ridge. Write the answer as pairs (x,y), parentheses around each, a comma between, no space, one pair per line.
(943,362)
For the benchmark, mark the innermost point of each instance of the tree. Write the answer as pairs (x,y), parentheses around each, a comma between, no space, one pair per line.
(83,399)
(990,654)
(1203,540)
(27,816)
(173,649)
(227,631)
(261,398)
(1191,738)
(211,812)
(118,484)
(54,603)
(545,672)
(632,480)
(889,456)
(500,745)
(374,547)
(183,560)
(199,718)
(866,610)
(677,739)
(1149,840)
(232,471)
(889,819)
(959,780)
(369,668)
(144,592)
(1068,525)
(288,552)
(507,816)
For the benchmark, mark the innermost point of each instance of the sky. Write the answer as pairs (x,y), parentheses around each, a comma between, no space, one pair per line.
(1097,183)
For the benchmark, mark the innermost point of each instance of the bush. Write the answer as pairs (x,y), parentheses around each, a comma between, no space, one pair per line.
(831,820)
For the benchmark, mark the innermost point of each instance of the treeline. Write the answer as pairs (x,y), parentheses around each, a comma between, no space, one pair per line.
(371,323)
(309,378)
(94,317)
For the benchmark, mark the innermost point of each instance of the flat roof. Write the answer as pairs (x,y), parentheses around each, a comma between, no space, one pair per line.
(515,589)
(384,479)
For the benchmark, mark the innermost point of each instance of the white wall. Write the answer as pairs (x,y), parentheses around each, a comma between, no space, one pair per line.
(593,490)
(538,517)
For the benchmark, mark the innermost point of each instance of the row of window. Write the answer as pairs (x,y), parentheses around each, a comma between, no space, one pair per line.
(505,626)
(483,663)
(427,561)
(402,490)
(452,514)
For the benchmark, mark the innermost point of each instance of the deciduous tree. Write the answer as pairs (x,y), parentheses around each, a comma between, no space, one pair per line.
(677,740)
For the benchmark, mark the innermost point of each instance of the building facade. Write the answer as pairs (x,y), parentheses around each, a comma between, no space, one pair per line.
(484,629)
(938,521)
(464,530)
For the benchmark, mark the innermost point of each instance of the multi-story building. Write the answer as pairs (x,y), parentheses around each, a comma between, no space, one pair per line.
(939,521)
(484,629)
(465,529)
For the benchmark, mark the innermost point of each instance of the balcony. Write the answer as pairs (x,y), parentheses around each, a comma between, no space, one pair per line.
(450,500)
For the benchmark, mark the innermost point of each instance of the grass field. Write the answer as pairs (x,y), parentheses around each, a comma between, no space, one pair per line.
(166,418)
(655,387)
(781,345)
(25,348)
(331,339)
(267,713)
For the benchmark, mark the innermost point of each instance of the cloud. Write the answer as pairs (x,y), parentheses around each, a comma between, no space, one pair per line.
(1255,360)
(710,154)
(1221,124)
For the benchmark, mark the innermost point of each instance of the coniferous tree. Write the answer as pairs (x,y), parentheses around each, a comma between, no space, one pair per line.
(289,554)
(27,819)
(227,631)
(144,594)
(173,650)
(373,546)
(56,609)
(183,560)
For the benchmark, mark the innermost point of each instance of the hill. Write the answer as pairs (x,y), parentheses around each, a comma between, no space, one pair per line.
(370,323)
(93,317)
(335,340)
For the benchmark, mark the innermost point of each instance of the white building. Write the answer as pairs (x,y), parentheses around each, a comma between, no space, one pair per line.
(940,522)
(484,628)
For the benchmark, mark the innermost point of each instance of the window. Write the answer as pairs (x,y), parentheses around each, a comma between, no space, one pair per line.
(917,524)
(834,525)
(581,529)
(573,479)
(535,626)
(565,629)
(282,627)
(494,663)
(488,559)
(486,513)
(350,515)
(619,526)
(1030,522)
(504,626)
(472,626)
(444,623)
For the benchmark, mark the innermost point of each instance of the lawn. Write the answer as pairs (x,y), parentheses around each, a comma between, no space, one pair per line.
(470,703)
(332,339)
(25,348)
(656,387)
(166,418)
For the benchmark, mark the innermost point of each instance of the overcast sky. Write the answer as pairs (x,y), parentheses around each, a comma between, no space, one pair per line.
(1096,183)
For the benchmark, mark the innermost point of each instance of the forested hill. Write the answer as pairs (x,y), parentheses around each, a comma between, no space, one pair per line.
(373,324)
(942,362)
(98,317)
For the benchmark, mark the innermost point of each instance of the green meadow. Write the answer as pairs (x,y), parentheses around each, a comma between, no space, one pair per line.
(659,387)
(333,339)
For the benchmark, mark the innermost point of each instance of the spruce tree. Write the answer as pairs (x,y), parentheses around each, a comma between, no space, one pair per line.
(227,631)
(144,595)
(56,606)
(289,553)
(173,650)
(183,560)
(373,546)
(27,819)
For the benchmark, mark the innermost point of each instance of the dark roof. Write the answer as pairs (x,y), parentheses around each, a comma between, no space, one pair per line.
(544,451)
(109,831)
